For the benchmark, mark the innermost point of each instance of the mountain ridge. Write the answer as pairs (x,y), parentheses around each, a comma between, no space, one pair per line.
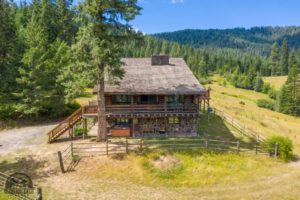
(259,39)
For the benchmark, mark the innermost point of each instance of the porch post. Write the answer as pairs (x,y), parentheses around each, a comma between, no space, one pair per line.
(131,104)
(133,128)
(165,103)
(84,128)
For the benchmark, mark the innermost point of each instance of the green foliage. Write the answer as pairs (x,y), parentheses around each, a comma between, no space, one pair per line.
(290,94)
(274,60)
(264,103)
(285,57)
(285,147)
(272,93)
(78,131)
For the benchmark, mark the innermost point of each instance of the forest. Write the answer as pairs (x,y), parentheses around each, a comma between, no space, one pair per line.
(255,40)
(48,54)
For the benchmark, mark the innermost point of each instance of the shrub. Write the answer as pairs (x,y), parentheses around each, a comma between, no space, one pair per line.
(78,131)
(285,147)
(242,103)
(272,93)
(264,103)
(265,88)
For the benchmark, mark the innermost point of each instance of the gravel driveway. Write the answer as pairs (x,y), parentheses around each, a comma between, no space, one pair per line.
(19,139)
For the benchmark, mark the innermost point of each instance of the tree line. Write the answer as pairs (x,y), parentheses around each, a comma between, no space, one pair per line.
(51,51)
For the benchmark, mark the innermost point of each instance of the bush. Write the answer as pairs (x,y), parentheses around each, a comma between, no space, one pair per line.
(242,103)
(272,93)
(78,131)
(285,147)
(264,103)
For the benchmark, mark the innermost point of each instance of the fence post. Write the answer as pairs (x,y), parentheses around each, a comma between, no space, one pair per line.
(174,145)
(256,148)
(106,146)
(141,145)
(206,144)
(276,150)
(126,145)
(238,146)
(72,153)
(39,195)
(61,163)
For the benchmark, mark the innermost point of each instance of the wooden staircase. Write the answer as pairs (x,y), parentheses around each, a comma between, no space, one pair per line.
(65,125)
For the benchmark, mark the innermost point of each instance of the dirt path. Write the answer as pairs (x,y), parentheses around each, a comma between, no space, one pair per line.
(17,139)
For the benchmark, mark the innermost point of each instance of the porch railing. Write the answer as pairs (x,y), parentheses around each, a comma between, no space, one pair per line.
(142,108)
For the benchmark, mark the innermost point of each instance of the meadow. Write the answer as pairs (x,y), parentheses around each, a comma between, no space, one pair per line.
(241,104)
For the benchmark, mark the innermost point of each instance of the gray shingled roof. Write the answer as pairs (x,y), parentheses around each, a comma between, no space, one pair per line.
(143,78)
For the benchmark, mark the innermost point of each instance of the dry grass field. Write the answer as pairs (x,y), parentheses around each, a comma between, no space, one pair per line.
(275,81)
(241,104)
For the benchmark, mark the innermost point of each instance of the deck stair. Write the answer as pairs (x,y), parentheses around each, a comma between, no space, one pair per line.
(65,125)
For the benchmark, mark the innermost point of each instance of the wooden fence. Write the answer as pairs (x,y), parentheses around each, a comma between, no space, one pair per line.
(239,126)
(15,187)
(125,145)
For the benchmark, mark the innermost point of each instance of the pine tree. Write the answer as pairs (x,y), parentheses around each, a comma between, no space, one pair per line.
(284,62)
(274,60)
(10,54)
(290,94)
(258,83)
(107,28)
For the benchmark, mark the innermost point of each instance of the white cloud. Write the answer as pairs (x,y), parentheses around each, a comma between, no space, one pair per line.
(177,1)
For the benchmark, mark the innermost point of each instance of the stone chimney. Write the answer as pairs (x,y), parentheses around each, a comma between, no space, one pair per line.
(160,60)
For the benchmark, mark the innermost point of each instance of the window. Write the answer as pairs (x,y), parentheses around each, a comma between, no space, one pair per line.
(173,120)
(122,122)
(148,99)
(175,99)
(121,99)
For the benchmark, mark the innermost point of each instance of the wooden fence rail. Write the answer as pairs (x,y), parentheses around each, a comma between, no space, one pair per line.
(125,145)
(239,126)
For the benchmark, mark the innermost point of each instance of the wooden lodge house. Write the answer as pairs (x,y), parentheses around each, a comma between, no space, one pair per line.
(157,96)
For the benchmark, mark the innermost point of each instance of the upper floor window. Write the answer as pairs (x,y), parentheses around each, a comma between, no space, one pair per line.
(148,99)
(175,99)
(121,99)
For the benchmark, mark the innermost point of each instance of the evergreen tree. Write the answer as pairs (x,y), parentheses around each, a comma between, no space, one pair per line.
(284,58)
(274,60)
(8,51)
(258,84)
(107,30)
(290,94)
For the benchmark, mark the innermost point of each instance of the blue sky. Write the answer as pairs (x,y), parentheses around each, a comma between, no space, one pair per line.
(170,15)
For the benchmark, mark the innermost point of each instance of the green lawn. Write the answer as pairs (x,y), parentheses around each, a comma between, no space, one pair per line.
(4,196)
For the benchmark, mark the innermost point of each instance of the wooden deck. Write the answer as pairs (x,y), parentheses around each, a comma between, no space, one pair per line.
(143,110)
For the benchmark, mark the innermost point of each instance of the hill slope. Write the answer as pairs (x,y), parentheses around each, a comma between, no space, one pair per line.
(259,39)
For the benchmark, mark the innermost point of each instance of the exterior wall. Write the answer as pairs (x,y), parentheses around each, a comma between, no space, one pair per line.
(155,127)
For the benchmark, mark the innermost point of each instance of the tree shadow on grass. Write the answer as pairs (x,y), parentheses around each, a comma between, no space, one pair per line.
(28,165)
(212,126)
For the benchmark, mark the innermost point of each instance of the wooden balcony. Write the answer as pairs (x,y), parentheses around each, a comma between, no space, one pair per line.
(141,110)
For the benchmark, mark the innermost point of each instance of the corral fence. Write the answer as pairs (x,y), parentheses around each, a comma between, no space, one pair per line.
(246,131)
(20,186)
(74,151)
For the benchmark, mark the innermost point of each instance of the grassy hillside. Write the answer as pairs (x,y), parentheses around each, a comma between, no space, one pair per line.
(241,103)
(276,81)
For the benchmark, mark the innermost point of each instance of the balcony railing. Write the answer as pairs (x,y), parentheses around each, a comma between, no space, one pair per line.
(144,109)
